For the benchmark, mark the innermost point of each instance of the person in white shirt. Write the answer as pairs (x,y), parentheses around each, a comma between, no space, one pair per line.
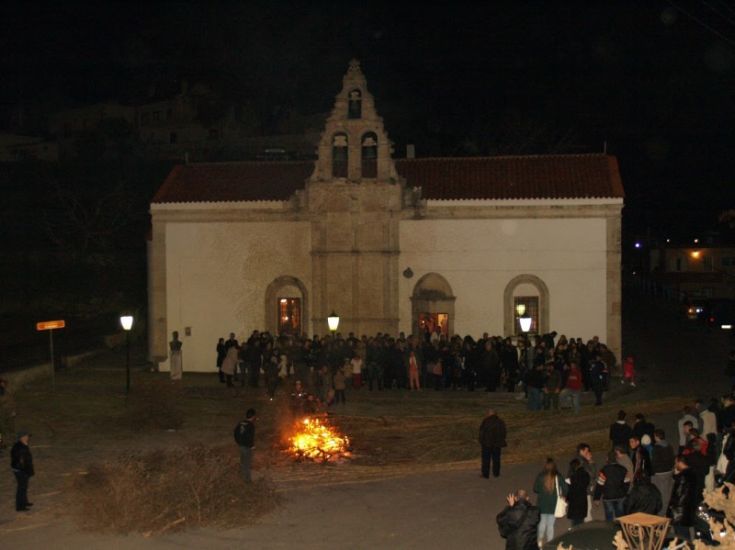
(356,368)
(709,426)
(707,417)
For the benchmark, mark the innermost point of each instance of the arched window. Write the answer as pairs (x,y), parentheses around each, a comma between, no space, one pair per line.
(354,109)
(339,155)
(369,155)
(526,296)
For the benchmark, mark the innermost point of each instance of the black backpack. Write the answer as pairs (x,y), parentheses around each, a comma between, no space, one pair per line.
(239,433)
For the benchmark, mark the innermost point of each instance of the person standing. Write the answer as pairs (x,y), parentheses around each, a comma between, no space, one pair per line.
(612,485)
(574,386)
(245,439)
(177,362)
(597,378)
(640,459)
(662,463)
(492,440)
(584,455)
(21,462)
(231,341)
(683,502)
(356,368)
(629,371)
(221,353)
(687,416)
(339,381)
(549,486)
(620,431)
(579,482)
(413,372)
(518,522)
(534,383)
(552,387)
(229,365)
(642,427)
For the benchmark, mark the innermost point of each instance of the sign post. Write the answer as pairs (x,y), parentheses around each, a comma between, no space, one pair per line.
(50,326)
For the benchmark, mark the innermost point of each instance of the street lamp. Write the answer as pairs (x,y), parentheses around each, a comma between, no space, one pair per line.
(524,321)
(126,321)
(333,322)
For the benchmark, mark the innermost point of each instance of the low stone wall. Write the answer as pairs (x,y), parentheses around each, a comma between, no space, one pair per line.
(32,373)
(20,377)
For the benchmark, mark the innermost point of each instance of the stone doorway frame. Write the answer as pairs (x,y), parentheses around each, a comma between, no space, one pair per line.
(432,300)
(272,294)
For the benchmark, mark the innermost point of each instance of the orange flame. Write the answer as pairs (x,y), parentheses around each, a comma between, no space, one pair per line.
(316,440)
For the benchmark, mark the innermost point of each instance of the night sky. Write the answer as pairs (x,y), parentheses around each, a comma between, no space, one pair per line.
(653,80)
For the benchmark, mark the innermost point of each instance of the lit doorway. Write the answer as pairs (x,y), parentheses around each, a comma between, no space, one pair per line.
(289,315)
(434,323)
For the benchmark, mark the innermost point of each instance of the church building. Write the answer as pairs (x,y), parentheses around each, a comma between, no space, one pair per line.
(458,245)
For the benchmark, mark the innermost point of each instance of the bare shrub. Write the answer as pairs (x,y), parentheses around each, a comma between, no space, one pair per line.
(160,491)
(155,405)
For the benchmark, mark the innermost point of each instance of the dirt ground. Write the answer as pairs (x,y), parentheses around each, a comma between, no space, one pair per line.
(410,496)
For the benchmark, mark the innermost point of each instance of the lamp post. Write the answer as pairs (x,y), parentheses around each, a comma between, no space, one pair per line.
(333,322)
(126,321)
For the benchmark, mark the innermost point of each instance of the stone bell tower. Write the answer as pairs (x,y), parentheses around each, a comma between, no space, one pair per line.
(354,198)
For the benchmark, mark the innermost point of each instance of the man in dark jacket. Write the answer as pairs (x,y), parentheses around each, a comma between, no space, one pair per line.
(620,431)
(643,497)
(245,439)
(642,427)
(683,503)
(492,440)
(611,485)
(518,523)
(597,378)
(662,462)
(21,462)
(490,366)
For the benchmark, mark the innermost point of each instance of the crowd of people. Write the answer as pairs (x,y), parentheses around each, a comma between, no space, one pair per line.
(549,370)
(642,472)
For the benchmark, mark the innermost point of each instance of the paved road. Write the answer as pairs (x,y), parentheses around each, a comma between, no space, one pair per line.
(440,510)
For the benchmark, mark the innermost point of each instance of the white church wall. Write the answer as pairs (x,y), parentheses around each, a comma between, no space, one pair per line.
(478,257)
(217,275)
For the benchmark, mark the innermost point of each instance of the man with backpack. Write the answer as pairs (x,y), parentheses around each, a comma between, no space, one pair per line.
(245,439)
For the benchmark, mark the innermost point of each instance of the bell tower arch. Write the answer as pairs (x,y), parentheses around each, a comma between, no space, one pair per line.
(354,117)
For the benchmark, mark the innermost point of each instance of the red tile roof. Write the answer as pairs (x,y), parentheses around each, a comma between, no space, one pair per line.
(520,177)
(234,181)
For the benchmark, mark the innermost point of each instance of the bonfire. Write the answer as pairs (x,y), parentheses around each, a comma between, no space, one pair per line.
(314,439)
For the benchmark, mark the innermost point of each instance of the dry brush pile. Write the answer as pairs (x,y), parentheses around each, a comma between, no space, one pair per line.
(159,491)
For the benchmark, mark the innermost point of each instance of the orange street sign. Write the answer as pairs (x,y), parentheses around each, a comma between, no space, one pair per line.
(50,325)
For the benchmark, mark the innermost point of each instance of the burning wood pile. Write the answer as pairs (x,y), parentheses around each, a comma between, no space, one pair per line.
(314,439)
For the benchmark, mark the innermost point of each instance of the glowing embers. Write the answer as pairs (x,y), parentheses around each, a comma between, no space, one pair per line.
(314,439)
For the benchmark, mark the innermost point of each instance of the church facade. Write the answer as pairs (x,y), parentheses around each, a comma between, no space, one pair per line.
(456,245)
